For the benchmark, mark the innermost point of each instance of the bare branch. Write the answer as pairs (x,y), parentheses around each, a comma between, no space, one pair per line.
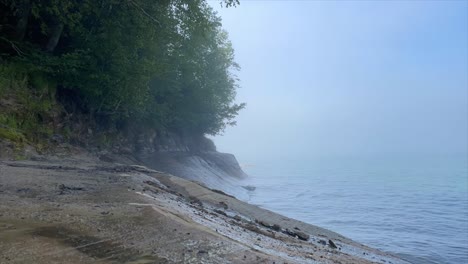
(144,12)
(20,53)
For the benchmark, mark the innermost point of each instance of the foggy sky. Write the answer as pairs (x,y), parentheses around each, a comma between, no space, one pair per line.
(349,78)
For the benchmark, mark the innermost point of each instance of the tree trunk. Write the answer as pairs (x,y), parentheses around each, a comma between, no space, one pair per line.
(55,32)
(24,9)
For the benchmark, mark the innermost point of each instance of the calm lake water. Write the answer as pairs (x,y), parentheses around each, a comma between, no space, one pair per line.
(414,207)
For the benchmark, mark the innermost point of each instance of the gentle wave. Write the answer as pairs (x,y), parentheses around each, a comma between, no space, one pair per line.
(416,208)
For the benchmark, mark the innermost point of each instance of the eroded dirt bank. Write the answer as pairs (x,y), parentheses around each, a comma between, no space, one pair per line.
(79,210)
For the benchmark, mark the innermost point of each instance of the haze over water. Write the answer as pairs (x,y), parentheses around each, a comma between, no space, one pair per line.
(357,118)
(416,207)
(349,78)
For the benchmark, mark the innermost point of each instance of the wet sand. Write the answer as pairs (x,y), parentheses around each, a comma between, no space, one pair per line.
(81,210)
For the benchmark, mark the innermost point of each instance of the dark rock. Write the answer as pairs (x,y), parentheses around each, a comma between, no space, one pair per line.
(300,235)
(202,252)
(268,225)
(223,204)
(151,183)
(65,189)
(249,188)
(331,244)
(257,230)
(265,224)
(220,212)
(195,200)
(221,192)
(68,188)
(323,242)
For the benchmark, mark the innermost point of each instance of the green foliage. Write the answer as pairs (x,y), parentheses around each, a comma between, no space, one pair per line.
(166,65)
(25,111)
(11,135)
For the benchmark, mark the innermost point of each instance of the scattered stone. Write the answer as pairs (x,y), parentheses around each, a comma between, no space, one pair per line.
(221,192)
(64,189)
(195,200)
(220,212)
(297,228)
(265,224)
(223,204)
(249,188)
(151,183)
(257,230)
(302,236)
(323,242)
(331,244)
(237,218)
(298,234)
(276,227)
(142,169)
(202,252)
(23,190)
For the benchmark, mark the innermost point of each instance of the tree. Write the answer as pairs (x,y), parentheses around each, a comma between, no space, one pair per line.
(165,64)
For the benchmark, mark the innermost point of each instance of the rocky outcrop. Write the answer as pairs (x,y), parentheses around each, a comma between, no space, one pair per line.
(193,158)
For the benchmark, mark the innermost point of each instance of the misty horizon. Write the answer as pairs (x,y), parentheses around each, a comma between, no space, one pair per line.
(349,78)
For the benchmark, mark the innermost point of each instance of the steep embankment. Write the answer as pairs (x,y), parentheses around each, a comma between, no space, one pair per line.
(75,209)
(196,159)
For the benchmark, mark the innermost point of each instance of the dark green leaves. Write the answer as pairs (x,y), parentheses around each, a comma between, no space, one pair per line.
(165,64)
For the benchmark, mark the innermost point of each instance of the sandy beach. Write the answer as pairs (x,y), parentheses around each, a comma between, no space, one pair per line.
(82,210)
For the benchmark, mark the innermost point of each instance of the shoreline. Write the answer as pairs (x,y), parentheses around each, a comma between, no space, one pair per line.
(83,210)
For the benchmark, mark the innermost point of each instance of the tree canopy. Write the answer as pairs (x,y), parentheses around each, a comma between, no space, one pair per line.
(165,64)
